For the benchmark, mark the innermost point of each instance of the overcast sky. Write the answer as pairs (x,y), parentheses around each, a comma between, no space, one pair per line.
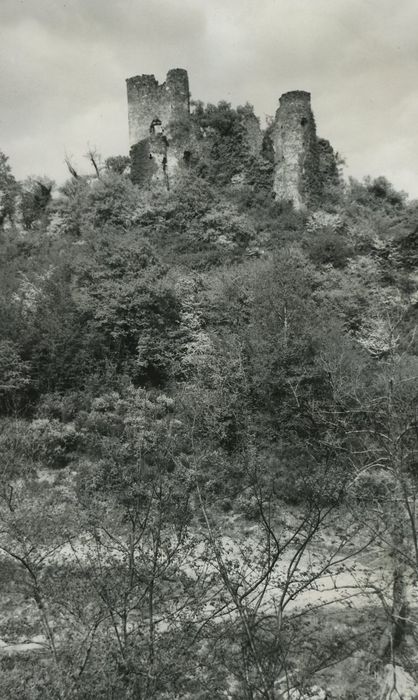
(64,64)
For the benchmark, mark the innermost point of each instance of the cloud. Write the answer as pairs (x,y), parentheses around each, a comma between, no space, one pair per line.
(97,21)
(64,64)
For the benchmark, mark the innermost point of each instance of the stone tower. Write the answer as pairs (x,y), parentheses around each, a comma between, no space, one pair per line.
(296,164)
(152,110)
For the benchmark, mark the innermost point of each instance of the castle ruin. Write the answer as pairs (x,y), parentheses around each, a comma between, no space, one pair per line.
(162,139)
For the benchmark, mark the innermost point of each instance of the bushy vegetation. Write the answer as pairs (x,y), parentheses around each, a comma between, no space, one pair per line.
(208,407)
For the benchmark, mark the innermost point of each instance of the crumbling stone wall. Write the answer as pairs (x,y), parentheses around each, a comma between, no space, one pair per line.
(151,109)
(148,100)
(296,163)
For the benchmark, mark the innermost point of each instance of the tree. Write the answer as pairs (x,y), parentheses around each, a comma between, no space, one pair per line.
(14,376)
(35,198)
(8,191)
(370,419)
(89,204)
(118,164)
(265,583)
(121,285)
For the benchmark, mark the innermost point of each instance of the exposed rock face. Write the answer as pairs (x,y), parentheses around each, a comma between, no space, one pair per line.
(295,147)
(152,108)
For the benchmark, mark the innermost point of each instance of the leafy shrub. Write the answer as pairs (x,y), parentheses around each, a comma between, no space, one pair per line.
(14,376)
(328,248)
(87,204)
(8,191)
(53,443)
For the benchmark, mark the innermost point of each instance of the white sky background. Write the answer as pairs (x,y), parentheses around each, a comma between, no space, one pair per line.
(64,64)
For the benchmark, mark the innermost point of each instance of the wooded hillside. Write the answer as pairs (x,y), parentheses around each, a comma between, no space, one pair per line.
(208,435)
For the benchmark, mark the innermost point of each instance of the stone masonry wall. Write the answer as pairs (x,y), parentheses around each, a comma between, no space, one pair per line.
(148,100)
(295,147)
(151,109)
(254,135)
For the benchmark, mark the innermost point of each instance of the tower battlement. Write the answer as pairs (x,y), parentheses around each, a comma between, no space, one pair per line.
(296,96)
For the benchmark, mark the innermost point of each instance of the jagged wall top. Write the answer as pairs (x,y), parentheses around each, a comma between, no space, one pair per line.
(148,100)
(294,96)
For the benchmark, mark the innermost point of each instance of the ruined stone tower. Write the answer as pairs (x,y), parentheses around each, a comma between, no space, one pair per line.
(295,147)
(152,110)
